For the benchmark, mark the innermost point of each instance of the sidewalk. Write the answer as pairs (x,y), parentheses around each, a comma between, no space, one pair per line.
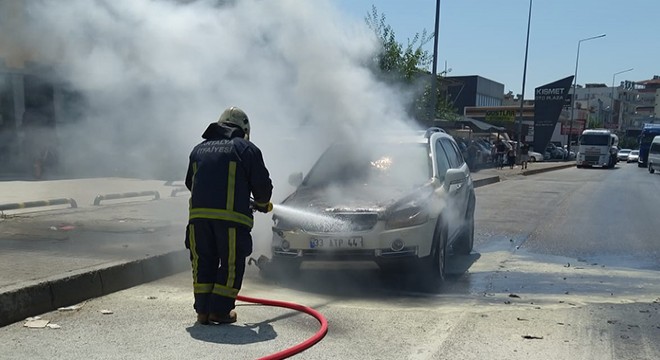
(59,255)
(492,175)
(54,258)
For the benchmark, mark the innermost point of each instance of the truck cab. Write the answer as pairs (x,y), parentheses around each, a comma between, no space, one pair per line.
(597,147)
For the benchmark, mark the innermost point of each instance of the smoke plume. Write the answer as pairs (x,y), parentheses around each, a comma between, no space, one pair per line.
(149,76)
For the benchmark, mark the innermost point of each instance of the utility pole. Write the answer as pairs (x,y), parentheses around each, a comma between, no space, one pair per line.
(434,71)
(522,97)
(577,59)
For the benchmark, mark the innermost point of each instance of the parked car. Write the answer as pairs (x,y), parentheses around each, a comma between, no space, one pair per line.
(401,202)
(623,154)
(535,157)
(633,156)
(555,152)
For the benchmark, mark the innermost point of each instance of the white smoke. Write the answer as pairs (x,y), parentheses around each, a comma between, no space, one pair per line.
(154,74)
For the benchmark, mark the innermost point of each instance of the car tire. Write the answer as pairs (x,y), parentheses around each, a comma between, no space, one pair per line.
(532,159)
(651,169)
(465,241)
(432,268)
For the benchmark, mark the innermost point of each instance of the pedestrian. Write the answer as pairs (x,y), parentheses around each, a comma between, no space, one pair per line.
(223,172)
(524,155)
(500,148)
(511,157)
(472,152)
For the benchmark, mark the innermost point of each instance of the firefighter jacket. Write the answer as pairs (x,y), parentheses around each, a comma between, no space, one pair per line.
(223,171)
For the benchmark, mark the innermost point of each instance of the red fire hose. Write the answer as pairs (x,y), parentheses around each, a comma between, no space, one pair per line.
(303,345)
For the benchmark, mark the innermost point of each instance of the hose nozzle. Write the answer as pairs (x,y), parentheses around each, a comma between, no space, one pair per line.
(262,262)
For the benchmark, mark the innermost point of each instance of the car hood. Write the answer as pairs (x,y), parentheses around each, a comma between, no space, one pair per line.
(336,199)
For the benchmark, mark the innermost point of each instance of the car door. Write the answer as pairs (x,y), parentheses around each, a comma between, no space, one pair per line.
(458,192)
(458,162)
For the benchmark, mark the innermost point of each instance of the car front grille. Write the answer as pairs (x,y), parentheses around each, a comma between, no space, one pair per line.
(592,159)
(346,222)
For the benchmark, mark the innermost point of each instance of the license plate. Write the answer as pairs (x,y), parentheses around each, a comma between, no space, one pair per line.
(355,242)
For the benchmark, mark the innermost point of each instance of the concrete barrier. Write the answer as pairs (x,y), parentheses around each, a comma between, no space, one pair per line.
(41,203)
(99,198)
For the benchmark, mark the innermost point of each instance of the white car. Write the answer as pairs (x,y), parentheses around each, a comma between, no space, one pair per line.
(534,156)
(633,156)
(622,155)
(397,201)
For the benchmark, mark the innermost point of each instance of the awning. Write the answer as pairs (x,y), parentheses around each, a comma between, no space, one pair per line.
(480,126)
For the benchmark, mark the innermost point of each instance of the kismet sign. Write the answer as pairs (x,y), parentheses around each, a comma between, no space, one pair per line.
(549,100)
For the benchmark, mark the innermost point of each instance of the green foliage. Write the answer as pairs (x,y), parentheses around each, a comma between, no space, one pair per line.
(407,66)
(402,62)
(628,142)
(594,123)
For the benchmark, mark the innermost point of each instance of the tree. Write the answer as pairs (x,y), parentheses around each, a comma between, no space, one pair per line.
(407,66)
(594,122)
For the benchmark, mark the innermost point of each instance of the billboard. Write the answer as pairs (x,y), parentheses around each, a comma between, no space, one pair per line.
(549,99)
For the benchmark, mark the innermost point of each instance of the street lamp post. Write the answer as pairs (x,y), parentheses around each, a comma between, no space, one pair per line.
(434,71)
(522,97)
(577,59)
(613,76)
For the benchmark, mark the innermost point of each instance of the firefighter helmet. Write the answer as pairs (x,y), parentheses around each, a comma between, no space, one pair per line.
(236,116)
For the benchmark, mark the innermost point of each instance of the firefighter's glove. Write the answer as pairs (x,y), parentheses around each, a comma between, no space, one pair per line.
(263,207)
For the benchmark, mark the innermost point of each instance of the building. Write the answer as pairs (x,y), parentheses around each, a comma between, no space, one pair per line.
(625,107)
(465,91)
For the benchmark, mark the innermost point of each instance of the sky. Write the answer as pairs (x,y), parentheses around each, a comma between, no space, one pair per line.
(487,37)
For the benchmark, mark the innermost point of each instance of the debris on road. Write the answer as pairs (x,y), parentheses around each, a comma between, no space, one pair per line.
(36,323)
(514,296)
(71,308)
(532,337)
(53,326)
(106,312)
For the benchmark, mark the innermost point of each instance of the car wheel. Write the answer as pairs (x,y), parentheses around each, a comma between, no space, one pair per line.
(430,270)
(532,159)
(465,241)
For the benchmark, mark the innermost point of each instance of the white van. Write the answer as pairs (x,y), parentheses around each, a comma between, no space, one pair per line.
(654,154)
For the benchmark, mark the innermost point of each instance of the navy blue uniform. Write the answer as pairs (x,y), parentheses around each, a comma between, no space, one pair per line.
(223,171)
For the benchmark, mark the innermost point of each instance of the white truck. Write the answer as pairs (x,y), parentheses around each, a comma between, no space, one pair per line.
(597,147)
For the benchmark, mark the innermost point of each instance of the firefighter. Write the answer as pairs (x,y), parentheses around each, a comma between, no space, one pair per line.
(223,172)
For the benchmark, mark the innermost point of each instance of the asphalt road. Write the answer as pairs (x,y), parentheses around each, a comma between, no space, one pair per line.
(565,266)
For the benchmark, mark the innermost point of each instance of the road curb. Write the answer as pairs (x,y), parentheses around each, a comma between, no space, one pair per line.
(486,181)
(541,170)
(18,304)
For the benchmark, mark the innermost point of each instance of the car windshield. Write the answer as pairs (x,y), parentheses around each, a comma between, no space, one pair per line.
(624,151)
(399,165)
(634,152)
(595,140)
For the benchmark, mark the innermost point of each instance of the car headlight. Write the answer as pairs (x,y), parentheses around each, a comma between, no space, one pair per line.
(409,216)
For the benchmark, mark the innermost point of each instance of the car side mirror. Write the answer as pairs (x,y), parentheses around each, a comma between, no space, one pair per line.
(453,177)
(296,179)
